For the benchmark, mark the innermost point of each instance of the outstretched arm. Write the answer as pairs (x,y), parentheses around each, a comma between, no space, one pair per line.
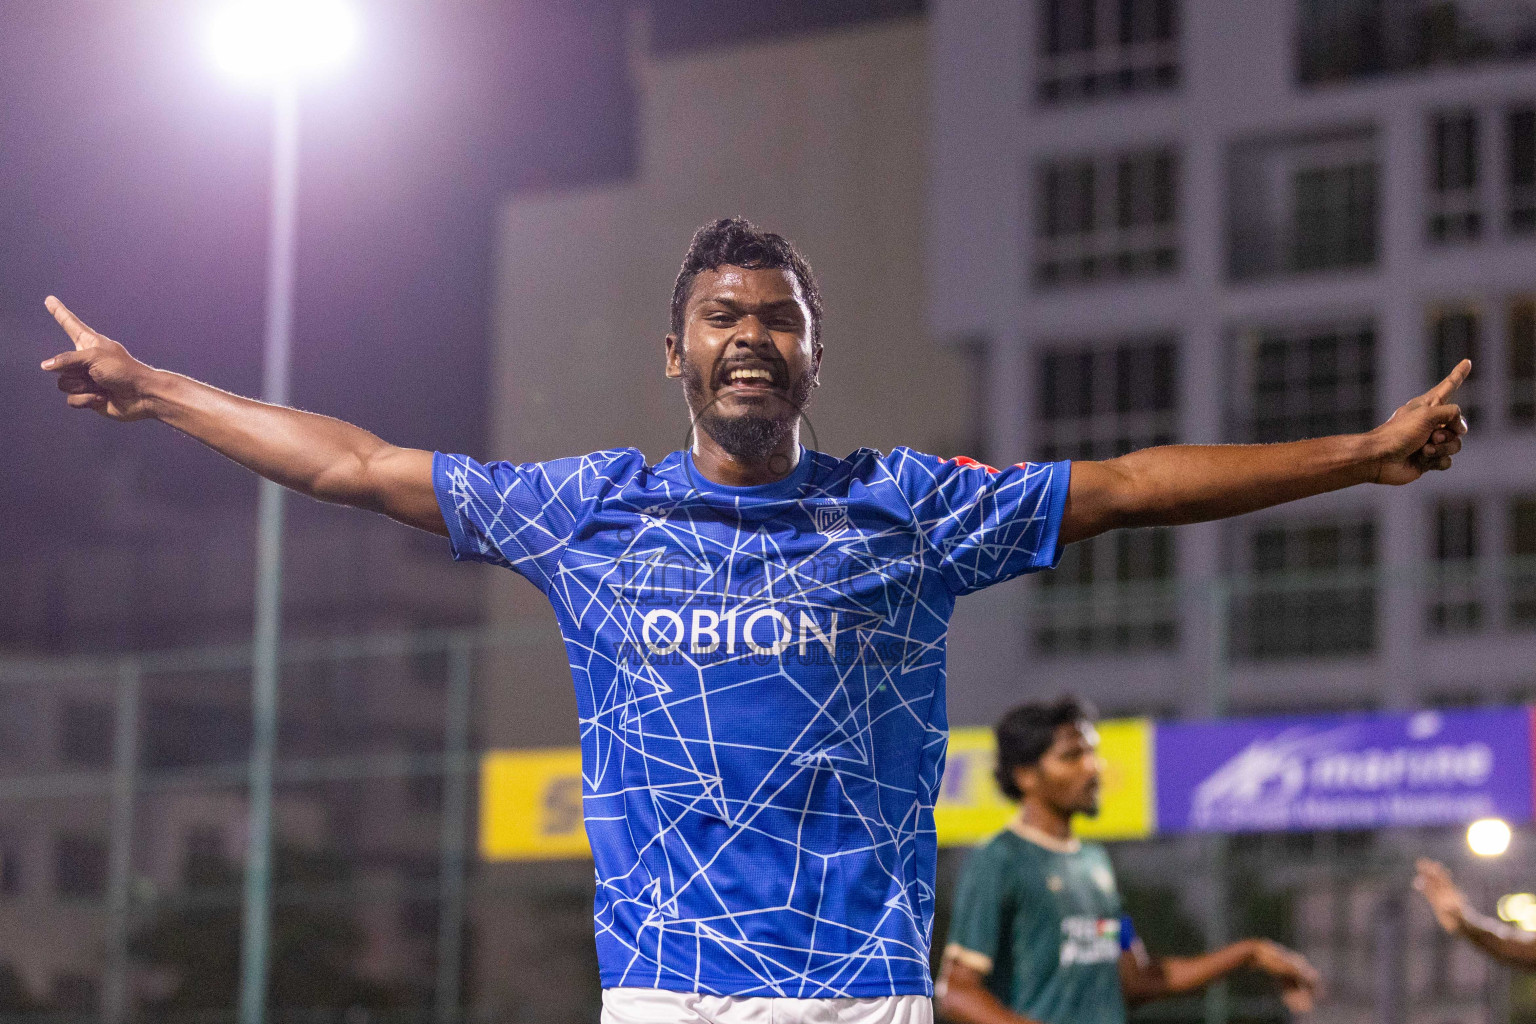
(315,455)
(1505,944)
(1144,977)
(1177,484)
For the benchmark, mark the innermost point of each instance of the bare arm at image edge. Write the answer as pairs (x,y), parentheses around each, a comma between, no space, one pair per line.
(322,457)
(1177,484)
(962,995)
(1506,944)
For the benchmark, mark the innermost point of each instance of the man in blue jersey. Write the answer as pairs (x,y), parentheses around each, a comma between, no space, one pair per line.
(756,631)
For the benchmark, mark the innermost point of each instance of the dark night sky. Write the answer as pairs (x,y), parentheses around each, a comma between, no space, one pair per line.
(136,188)
(133,183)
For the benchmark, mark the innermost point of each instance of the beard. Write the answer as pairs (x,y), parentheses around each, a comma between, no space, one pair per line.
(750,436)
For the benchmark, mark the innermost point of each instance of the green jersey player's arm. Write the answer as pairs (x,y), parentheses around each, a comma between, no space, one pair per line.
(315,455)
(1176,484)
(1505,944)
(962,995)
(1144,977)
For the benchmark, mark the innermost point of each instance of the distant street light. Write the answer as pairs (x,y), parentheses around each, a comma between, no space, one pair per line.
(1519,909)
(275,44)
(1488,837)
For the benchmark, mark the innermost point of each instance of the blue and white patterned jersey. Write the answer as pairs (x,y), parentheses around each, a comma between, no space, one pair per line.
(759,673)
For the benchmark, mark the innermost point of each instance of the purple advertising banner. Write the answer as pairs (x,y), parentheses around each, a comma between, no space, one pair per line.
(1344,771)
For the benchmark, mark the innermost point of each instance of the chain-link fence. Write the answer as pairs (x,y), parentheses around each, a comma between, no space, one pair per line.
(123,782)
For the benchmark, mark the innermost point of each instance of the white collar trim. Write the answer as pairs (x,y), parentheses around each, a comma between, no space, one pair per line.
(1026,831)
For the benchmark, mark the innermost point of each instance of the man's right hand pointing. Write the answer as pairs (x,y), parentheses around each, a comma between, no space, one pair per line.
(315,455)
(1424,433)
(99,374)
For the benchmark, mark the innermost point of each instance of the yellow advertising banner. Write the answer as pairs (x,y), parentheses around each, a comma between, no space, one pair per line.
(530,800)
(530,805)
(970,808)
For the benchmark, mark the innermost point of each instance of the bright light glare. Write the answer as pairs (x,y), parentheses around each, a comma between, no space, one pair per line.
(1488,837)
(1519,909)
(276,40)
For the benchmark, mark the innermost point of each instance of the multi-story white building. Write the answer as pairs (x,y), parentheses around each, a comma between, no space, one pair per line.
(1204,222)
(1214,222)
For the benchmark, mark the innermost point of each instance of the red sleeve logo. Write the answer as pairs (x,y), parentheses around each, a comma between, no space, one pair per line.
(966,460)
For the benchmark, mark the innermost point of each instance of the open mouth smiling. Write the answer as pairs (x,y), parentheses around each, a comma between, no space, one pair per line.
(749,378)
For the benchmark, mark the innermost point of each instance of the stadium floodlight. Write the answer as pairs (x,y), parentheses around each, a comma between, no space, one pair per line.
(1488,837)
(266,41)
(275,45)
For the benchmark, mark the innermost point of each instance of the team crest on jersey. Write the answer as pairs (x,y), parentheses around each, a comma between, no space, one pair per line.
(831,521)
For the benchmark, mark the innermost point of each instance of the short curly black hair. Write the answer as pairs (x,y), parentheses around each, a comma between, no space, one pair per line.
(1027,732)
(734,241)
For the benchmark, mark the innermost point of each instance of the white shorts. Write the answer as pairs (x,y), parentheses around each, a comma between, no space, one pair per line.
(658,1006)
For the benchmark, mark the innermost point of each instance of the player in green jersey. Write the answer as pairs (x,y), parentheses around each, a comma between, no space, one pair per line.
(1038,933)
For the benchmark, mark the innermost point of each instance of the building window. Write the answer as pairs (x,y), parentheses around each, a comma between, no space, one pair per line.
(85,733)
(1302,205)
(419,919)
(429,669)
(1456,604)
(1455,211)
(418,909)
(202,849)
(1520,152)
(1334,220)
(1522,552)
(424,787)
(75,994)
(1310,592)
(180,732)
(1520,383)
(10,867)
(1101,401)
(80,866)
(1110,594)
(1305,381)
(1091,48)
(1454,332)
(17,726)
(1097,401)
(1342,40)
(1106,217)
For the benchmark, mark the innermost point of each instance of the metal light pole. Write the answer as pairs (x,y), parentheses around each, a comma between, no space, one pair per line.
(275,44)
(125,770)
(1217,1001)
(257,913)
(450,884)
